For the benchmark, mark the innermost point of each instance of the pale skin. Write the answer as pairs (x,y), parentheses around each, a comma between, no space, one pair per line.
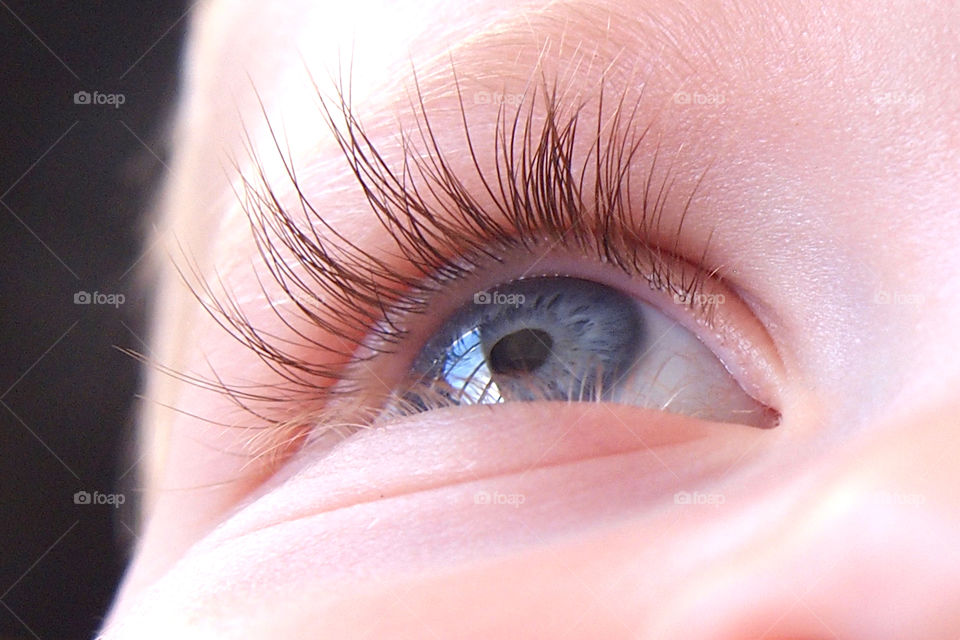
(827,139)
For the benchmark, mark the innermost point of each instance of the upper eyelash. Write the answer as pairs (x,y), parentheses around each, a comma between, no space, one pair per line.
(540,192)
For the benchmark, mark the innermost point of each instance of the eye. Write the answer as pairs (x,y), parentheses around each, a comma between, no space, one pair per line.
(596,276)
(570,339)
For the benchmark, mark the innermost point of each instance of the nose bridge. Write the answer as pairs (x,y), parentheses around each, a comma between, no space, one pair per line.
(869,551)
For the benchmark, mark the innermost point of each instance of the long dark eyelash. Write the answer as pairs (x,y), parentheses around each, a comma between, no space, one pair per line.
(546,189)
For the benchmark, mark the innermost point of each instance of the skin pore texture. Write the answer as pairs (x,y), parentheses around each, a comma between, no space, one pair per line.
(814,148)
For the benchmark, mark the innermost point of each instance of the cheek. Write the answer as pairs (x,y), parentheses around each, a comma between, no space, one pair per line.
(877,523)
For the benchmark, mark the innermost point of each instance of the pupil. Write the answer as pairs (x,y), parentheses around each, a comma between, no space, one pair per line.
(522,351)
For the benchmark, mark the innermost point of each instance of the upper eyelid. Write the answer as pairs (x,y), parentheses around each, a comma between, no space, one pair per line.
(406,205)
(359,285)
(662,31)
(325,171)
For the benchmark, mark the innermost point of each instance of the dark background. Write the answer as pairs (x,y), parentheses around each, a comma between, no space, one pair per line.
(75,181)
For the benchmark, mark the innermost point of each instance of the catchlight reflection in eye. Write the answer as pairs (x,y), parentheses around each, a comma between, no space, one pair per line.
(569,339)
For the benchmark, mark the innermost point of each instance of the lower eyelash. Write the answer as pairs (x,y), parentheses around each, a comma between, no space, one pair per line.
(540,194)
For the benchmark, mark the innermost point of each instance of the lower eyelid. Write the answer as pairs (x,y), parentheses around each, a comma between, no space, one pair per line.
(458,448)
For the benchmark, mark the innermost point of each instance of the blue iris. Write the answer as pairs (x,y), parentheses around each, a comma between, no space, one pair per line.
(545,338)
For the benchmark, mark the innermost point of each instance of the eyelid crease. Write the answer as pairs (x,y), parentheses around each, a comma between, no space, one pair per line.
(547,187)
